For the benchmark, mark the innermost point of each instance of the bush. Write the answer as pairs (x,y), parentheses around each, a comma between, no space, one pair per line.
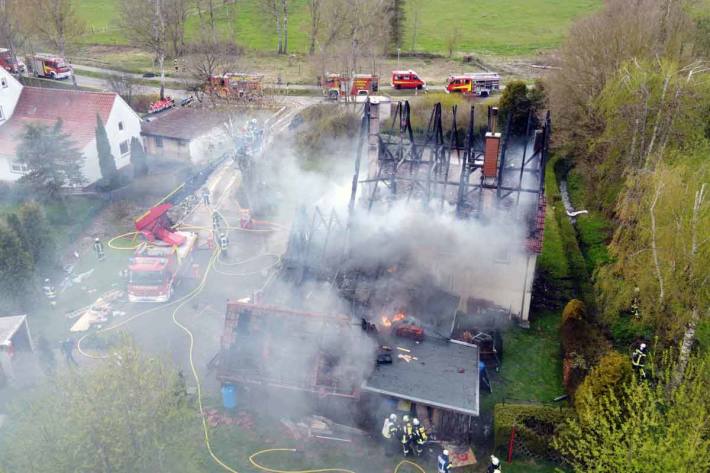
(535,426)
(612,371)
(326,130)
(583,344)
(574,310)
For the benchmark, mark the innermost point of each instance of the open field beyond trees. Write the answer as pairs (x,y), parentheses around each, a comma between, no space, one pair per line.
(509,27)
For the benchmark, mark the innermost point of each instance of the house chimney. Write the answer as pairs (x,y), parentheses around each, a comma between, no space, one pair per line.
(492,146)
(492,118)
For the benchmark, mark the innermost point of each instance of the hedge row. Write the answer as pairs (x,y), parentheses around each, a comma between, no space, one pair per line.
(535,426)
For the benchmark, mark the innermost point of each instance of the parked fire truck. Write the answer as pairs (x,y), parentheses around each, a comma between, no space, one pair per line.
(236,84)
(158,263)
(335,86)
(46,65)
(364,84)
(10,63)
(481,84)
(407,80)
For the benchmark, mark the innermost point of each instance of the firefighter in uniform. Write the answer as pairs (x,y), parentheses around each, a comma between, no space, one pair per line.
(494,467)
(638,361)
(406,435)
(420,437)
(389,432)
(443,464)
(99,249)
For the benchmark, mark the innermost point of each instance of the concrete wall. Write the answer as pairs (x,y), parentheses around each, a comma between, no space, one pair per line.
(10,90)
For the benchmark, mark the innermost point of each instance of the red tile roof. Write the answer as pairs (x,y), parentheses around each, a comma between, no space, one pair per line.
(76,108)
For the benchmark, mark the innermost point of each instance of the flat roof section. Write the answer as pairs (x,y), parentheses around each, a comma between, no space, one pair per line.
(444,374)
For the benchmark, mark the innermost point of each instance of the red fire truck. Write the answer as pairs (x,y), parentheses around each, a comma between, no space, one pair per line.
(46,65)
(335,86)
(236,84)
(481,84)
(11,64)
(407,80)
(364,84)
(156,266)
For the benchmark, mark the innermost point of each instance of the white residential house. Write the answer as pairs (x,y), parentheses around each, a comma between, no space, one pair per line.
(188,134)
(10,90)
(77,110)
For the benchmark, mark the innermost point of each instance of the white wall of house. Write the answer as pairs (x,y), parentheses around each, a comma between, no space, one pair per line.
(119,138)
(10,90)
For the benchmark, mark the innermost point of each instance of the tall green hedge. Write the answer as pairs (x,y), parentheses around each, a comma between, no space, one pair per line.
(535,425)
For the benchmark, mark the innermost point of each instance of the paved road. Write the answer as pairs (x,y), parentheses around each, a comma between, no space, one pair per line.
(176,81)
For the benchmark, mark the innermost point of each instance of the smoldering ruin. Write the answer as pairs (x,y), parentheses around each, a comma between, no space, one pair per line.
(392,288)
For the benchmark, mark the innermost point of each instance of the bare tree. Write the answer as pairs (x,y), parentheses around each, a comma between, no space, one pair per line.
(176,13)
(53,21)
(10,25)
(416,15)
(206,59)
(314,9)
(126,86)
(284,27)
(452,40)
(208,20)
(144,25)
(350,34)
(277,11)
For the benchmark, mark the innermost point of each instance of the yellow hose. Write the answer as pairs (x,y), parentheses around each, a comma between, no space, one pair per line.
(320,470)
(180,303)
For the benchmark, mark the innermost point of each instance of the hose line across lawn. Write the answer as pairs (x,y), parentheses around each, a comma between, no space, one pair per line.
(180,303)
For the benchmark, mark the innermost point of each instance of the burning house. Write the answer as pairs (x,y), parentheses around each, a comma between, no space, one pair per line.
(383,300)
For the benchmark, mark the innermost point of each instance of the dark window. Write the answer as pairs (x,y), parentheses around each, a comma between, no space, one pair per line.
(124,147)
(120,126)
(159,141)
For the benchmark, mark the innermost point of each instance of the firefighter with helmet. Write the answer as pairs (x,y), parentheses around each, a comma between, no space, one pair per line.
(389,431)
(420,437)
(638,361)
(494,467)
(406,435)
(99,249)
(443,463)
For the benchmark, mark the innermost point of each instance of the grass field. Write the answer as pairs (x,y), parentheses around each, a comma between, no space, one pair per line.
(503,27)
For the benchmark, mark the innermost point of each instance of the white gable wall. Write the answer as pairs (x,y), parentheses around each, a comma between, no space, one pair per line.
(10,90)
(121,112)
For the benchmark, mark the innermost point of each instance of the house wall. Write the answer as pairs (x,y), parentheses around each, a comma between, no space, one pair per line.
(10,90)
(122,112)
(171,148)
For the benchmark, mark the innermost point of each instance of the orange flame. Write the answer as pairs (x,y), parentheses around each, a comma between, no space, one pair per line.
(398,316)
(386,322)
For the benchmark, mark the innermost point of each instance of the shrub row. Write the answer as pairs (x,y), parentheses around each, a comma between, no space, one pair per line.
(535,426)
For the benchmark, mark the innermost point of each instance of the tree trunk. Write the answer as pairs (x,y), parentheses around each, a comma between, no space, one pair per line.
(284,4)
(314,26)
(277,17)
(161,63)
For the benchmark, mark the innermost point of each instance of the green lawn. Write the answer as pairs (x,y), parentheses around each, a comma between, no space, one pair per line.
(505,27)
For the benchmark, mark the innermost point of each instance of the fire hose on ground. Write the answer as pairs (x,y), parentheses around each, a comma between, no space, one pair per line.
(180,303)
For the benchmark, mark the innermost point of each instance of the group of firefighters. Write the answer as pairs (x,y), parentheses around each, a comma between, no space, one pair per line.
(409,435)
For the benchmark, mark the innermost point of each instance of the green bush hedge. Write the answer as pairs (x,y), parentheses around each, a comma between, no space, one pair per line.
(613,370)
(535,426)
